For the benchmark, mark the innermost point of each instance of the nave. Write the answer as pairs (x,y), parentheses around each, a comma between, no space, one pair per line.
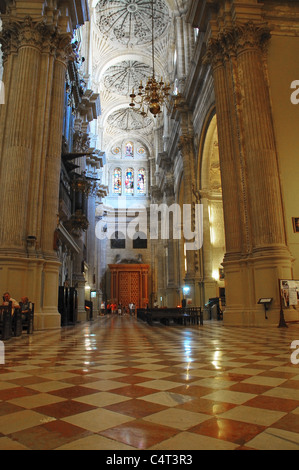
(118,384)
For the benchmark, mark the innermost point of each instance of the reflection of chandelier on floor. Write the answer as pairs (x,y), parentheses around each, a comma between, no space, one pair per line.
(155,94)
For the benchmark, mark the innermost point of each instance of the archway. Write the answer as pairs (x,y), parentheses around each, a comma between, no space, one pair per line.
(210,188)
(129,284)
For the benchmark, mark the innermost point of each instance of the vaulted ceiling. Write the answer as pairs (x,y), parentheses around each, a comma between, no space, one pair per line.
(122,57)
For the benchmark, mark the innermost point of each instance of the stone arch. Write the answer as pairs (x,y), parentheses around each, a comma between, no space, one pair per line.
(210,190)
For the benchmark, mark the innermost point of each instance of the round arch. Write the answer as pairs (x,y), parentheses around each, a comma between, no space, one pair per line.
(210,190)
(115,57)
(119,108)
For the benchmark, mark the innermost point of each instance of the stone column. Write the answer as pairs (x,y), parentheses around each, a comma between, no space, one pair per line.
(18,135)
(92,260)
(157,254)
(28,73)
(228,148)
(186,146)
(172,260)
(50,205)
(181,67)
(257,254)
(256,126)
(30,143)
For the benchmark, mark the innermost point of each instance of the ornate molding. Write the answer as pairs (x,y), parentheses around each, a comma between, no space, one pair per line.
(124,76)
(17,33)
(128,120)
(251,35)
(186,144)
(81,142)
(215,53)
(236,40)
(130,22)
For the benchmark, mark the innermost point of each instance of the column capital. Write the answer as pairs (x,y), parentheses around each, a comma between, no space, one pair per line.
(215,53)
(186,143)
(236,39)
(28,32)
(248,36)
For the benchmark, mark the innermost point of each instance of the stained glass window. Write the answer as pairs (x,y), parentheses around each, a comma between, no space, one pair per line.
(129,183)
(117,181)
(141,151)
(116,151)
(141,188)
(129,150)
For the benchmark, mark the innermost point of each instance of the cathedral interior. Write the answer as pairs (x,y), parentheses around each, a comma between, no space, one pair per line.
(148,156)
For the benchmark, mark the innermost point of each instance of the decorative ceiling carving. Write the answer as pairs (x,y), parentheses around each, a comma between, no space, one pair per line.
(128,120)
(129,22)
(124,76)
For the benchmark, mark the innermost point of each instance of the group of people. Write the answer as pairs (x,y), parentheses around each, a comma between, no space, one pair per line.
(24,304)
(119,309)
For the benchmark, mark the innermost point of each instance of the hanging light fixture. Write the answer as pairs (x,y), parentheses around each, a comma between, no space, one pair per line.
(155,94)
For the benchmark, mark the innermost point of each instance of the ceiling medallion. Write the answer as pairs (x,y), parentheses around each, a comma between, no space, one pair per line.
(130,21)
(155,95)
(127,120)
(124,76)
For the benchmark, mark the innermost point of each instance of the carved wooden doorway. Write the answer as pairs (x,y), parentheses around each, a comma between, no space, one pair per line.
(129,283)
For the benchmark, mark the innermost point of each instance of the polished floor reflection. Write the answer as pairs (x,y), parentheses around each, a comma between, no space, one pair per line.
(118,384)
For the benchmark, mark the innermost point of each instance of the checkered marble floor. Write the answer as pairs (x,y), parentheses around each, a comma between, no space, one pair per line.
(119,384)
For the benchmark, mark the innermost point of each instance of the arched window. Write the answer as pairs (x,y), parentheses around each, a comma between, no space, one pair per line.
(118,241)
(129,149)
(140,241)
(141,182)
(129,183)
(117,181)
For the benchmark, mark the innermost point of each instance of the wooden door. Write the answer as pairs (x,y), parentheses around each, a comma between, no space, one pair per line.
(129,288)
(129,283)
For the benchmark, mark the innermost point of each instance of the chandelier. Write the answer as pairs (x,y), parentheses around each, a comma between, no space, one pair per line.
(155,94)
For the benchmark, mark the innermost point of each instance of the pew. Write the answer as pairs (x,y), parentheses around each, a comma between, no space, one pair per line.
(28,320)
(187,316)
(6,322)
(17,327)
(13,324)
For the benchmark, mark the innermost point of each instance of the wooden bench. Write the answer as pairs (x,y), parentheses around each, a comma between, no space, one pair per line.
(17,327)
(28,319)
(13,321)
(6,322)
(177,315)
